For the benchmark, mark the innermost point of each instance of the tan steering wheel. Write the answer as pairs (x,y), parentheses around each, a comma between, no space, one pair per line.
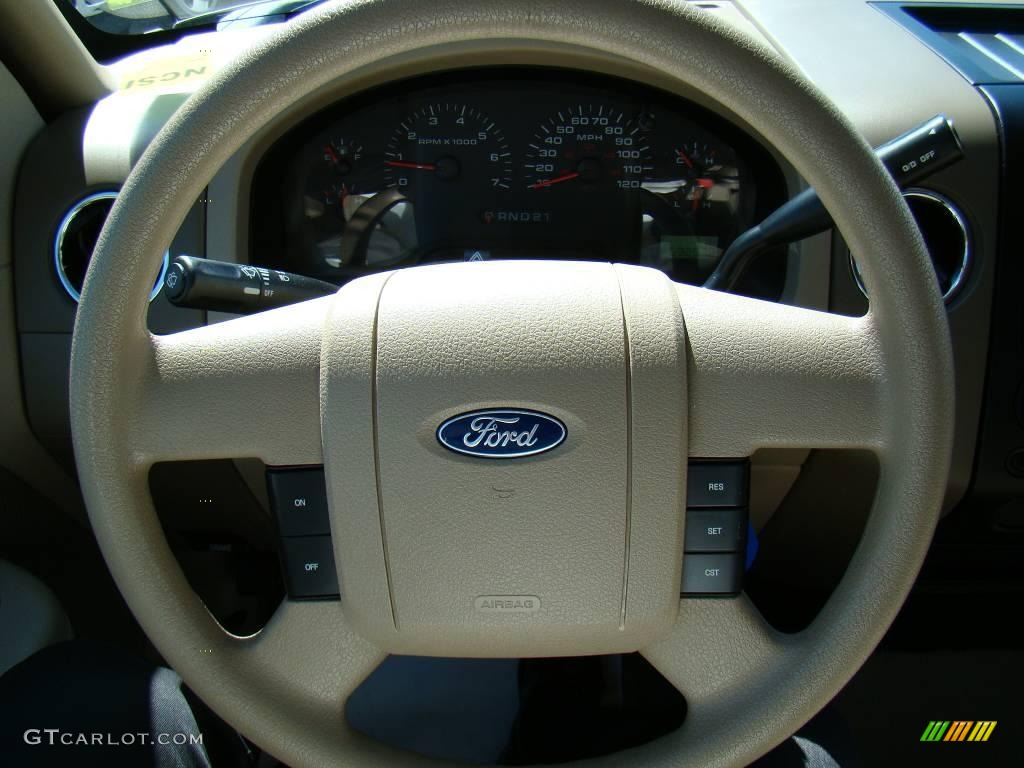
(643,372)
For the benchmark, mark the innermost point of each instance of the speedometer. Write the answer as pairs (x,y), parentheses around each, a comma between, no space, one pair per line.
(588,147)
(446,143)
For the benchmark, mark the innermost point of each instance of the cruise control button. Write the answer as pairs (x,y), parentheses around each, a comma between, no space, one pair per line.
(299,497)
(309,567)
(715,530)
(717,484)
(720,574)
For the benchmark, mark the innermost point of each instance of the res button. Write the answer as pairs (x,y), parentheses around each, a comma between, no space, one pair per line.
(717,484)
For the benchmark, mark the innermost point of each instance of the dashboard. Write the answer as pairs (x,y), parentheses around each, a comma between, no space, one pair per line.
(494,164)
(269,207)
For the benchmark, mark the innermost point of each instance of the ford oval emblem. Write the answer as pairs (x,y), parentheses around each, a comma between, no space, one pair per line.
(501,433)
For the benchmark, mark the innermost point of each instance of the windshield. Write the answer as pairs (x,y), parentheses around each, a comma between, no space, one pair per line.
(136,17)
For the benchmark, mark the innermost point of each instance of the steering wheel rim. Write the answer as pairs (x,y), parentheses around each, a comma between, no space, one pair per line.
(881,382)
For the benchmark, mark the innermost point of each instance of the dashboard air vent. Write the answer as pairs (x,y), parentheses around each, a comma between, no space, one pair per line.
(76,238)
(946,235)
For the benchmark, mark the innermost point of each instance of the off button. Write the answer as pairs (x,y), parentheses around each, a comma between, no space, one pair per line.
(717,484)
(309,567)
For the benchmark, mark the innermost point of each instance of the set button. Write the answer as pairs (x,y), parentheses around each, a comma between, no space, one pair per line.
(715,530)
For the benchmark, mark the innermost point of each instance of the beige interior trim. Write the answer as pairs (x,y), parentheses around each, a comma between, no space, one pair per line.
(747,687)
(67,76)
(20,452)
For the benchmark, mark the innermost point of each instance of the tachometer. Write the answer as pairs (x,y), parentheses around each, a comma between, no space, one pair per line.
(447,143)
(588,147)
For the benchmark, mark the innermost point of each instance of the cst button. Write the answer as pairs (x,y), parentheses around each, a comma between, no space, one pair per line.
(718,574)
(717,484)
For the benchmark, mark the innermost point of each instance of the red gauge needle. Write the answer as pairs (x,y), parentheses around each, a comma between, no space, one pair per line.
(556,180)
(413,166)
(684,158)
(703,185)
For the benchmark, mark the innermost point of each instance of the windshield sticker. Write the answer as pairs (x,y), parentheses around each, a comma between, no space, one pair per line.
(183,73)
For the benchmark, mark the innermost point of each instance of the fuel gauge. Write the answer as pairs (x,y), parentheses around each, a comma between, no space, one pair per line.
(342,155)
(345,179)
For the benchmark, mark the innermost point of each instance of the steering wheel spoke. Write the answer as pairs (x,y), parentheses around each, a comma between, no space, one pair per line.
(248,387)
(715,646)
(715,657)
(770,375)
(329,659)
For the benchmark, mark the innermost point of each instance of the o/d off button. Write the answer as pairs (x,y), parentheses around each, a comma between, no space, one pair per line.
(717,484)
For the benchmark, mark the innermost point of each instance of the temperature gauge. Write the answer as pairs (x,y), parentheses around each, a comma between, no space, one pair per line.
(710,175)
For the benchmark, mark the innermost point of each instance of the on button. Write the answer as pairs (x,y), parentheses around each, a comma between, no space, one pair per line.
(299,497)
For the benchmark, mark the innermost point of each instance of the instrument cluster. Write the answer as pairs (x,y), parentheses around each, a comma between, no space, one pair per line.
(495,164)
